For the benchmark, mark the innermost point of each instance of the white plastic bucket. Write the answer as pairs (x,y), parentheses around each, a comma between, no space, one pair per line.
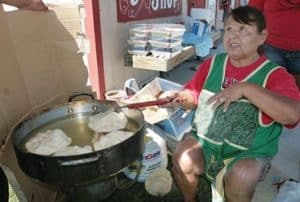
(154,157)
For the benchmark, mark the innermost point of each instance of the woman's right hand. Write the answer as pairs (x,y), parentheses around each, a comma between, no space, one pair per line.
(171,94)
(181,98)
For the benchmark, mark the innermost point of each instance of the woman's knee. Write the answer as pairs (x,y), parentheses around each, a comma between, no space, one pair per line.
(243,176)
(188,157)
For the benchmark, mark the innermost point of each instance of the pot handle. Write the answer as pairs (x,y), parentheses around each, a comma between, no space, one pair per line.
(80,94)
(79,161)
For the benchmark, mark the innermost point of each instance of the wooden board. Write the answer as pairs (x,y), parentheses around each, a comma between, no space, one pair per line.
(162,64)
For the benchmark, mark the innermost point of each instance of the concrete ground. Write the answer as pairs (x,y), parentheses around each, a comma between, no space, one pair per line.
(284,166)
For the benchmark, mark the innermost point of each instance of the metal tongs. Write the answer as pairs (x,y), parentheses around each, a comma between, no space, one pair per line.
(158,102)
(138,105)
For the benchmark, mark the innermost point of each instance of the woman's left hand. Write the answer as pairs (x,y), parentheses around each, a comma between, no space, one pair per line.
(228,95)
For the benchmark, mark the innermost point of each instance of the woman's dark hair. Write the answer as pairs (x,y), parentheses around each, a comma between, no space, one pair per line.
(249,15)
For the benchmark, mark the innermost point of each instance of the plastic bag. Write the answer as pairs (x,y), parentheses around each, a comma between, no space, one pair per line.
(288,192)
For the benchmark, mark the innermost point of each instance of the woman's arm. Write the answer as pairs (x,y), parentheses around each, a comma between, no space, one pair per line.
(280,108)
(184,98)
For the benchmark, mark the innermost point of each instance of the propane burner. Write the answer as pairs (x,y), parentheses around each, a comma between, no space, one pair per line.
(92,191)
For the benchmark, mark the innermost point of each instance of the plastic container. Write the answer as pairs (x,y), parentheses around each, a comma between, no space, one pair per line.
(180,121)
(167,40)
(138,50)
(144,38)
(154,157)
(139,43)
(166,43)
(163,30)
(165,52)
(140,29)
(167,30)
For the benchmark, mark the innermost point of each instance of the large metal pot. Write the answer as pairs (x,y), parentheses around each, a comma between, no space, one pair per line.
(78,169)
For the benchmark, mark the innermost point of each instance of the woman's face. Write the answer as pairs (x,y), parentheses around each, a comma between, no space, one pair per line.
(241,41)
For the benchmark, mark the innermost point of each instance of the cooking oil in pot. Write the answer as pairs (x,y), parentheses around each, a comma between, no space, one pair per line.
(76,127)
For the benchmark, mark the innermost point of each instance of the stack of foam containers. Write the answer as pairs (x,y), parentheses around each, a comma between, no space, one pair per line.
(161,40)
(139,39)
(166,40)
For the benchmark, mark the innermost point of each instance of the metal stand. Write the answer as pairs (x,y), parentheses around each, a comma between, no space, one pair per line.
(91,192)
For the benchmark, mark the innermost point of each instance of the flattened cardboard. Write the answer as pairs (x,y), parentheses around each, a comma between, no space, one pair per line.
(40,65)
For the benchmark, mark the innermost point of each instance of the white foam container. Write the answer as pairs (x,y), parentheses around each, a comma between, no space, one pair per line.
(165,52)
(166,44)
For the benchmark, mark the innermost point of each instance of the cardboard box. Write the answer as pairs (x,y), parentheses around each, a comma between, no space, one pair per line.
(179,122)
(40,66)
(163,64)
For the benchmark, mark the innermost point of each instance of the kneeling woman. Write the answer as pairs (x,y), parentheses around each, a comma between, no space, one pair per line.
(242,101)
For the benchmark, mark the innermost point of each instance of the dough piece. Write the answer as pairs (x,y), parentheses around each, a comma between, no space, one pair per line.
(104,141)
(74,150)
(155,114)
(108,121)
(47,143)
(159,183)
